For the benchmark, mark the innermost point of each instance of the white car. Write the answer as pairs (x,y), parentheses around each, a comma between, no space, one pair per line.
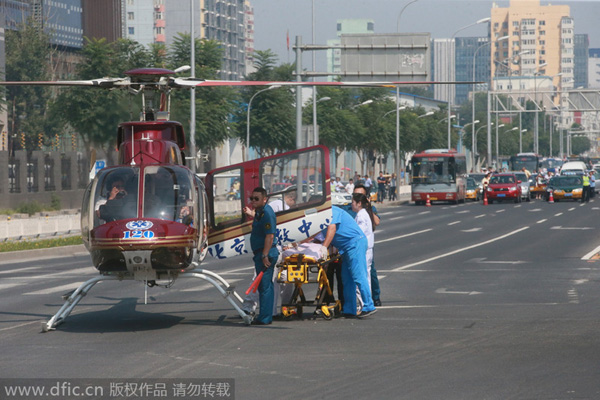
(341,198)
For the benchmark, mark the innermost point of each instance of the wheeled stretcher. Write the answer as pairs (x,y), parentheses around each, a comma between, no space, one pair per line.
(301,266)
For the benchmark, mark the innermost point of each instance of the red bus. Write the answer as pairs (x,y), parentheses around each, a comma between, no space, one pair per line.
(439,173)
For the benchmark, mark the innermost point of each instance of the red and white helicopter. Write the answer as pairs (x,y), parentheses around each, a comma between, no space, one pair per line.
(151,219)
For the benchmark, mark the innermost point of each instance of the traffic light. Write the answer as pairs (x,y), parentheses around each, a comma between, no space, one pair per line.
(56,142)
(4,145)
(23,140)
(74,141)
(40,140)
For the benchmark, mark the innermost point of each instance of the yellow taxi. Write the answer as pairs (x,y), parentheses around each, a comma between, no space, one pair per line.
(473,191)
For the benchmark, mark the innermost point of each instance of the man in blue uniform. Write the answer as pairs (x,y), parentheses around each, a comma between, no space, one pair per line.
(343,232)
(263,243)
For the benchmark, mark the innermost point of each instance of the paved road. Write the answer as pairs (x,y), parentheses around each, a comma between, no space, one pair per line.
(490,302)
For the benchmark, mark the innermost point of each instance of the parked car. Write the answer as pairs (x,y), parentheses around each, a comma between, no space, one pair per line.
(473,190)
(504,187)
(341,198)
(478,177)
(565,188)
(525,185)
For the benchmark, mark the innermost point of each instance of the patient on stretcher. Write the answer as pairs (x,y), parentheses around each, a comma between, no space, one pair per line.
(311,249)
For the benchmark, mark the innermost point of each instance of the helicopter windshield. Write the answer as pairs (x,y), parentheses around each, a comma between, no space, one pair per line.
(116,194)
(168,194)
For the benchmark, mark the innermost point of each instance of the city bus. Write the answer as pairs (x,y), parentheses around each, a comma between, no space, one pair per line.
(530,161)
(439,173)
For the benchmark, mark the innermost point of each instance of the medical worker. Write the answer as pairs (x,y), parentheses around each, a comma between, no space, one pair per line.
(343,232)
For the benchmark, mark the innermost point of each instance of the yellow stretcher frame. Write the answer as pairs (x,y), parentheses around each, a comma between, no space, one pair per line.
(302,269)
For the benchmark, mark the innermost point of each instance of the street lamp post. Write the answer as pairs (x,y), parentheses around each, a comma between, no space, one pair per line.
(248,118)
(315,126)
(474,144)
(450,64)
(536,122)
(427,114)
(400,15)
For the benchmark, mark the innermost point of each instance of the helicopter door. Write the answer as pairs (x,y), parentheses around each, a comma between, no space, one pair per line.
(296,185)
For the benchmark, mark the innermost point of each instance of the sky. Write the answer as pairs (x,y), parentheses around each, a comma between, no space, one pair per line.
(274,18)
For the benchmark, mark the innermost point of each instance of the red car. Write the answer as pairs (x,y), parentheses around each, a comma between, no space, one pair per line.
(504,187)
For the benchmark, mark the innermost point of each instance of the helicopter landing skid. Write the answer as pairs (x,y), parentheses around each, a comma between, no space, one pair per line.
(73,298)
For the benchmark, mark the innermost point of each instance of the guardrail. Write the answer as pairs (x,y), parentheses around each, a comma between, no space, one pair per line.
(21,226)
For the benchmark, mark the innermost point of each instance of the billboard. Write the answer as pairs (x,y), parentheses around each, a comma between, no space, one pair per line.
(384,57)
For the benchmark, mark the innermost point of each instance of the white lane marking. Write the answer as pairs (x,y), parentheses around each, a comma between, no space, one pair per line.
(499,211)
(471,230)
(62,288)
(206,286)
(580,281)
(20,325)
(446,291)
(10,271)
(463,212)
(461,250)
(480,216)
(380,277)
(558,215)
(573,296)
(591,253)
(403,236)
(395,218)
(392,307)
(424,212)
(535,210)
(517,206)
(74,272)
(541,221)
(388,213)
(572,228)
(484,261)
(10,285)
(454,223)
(571,209)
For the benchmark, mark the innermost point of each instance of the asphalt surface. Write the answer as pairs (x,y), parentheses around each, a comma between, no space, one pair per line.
(479,302)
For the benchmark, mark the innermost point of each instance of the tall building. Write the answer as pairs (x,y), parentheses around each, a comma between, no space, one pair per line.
(144,21)
(443,67)
(103,19)
(220,20)
(580,70)
(541,40)
(471,52)
(249,36)
(345,26)
(594,68)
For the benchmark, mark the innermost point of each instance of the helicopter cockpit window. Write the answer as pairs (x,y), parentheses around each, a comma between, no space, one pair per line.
(294,181)
(116,195)
(227,193)
(169,194)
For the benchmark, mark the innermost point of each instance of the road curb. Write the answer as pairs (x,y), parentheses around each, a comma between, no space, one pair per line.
(40,254)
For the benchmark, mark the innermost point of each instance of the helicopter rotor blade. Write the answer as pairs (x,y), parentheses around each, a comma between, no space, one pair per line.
(195,82)
(106,83)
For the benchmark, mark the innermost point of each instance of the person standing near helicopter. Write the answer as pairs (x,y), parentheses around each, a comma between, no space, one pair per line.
(264,246)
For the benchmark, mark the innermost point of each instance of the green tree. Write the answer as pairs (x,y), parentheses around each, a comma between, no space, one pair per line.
(93,113)
(28,58)
(272,116)
(214,106)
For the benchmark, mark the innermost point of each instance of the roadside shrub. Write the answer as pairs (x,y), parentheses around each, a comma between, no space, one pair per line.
(29,207)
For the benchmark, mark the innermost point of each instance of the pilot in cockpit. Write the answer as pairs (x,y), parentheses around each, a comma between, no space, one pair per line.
(123,203)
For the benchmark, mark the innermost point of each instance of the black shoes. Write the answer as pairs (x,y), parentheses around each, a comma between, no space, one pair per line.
(377,303)
(365,314)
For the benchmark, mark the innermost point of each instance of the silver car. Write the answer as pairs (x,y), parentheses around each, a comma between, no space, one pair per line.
(525,194)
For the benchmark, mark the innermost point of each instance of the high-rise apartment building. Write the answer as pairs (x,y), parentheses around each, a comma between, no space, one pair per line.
(144,21)
(345,26)
(541,41)
(220,20)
